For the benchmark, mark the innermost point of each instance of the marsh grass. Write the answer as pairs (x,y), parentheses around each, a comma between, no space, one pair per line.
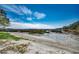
(8,36)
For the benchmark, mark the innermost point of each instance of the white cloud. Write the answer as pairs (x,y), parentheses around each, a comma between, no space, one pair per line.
(29,18)
(18,25)
(20,10)
(12,8)
(25,10)
(39,15)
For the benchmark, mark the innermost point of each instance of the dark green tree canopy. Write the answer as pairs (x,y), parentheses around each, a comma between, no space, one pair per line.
(3,19)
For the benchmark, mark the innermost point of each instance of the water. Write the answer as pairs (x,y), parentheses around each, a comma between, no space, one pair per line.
(67,39)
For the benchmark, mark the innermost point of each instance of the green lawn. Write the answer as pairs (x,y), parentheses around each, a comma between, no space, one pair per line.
(8,36)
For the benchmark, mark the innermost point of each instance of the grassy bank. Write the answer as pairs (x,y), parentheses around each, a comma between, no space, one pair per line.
(8,36)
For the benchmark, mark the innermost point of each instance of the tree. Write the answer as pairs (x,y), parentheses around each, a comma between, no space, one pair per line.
(4,21)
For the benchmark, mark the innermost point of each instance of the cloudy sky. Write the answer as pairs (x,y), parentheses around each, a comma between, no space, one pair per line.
(41,16)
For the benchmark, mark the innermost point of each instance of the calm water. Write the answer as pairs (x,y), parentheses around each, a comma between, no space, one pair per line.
(68,39)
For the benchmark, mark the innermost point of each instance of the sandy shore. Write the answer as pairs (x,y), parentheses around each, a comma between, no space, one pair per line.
(29,47)
(41,44)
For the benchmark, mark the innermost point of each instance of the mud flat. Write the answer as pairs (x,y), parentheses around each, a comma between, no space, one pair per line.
(43,42)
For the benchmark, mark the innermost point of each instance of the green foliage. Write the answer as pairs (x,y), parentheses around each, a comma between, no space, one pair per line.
(2,12)
(74,25)
(3,19)
(7,36)
(37,31)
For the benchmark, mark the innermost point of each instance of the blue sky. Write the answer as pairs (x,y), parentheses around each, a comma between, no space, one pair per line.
(41,15)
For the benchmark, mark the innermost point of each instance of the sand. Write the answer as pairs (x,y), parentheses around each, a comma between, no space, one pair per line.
(43,45)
